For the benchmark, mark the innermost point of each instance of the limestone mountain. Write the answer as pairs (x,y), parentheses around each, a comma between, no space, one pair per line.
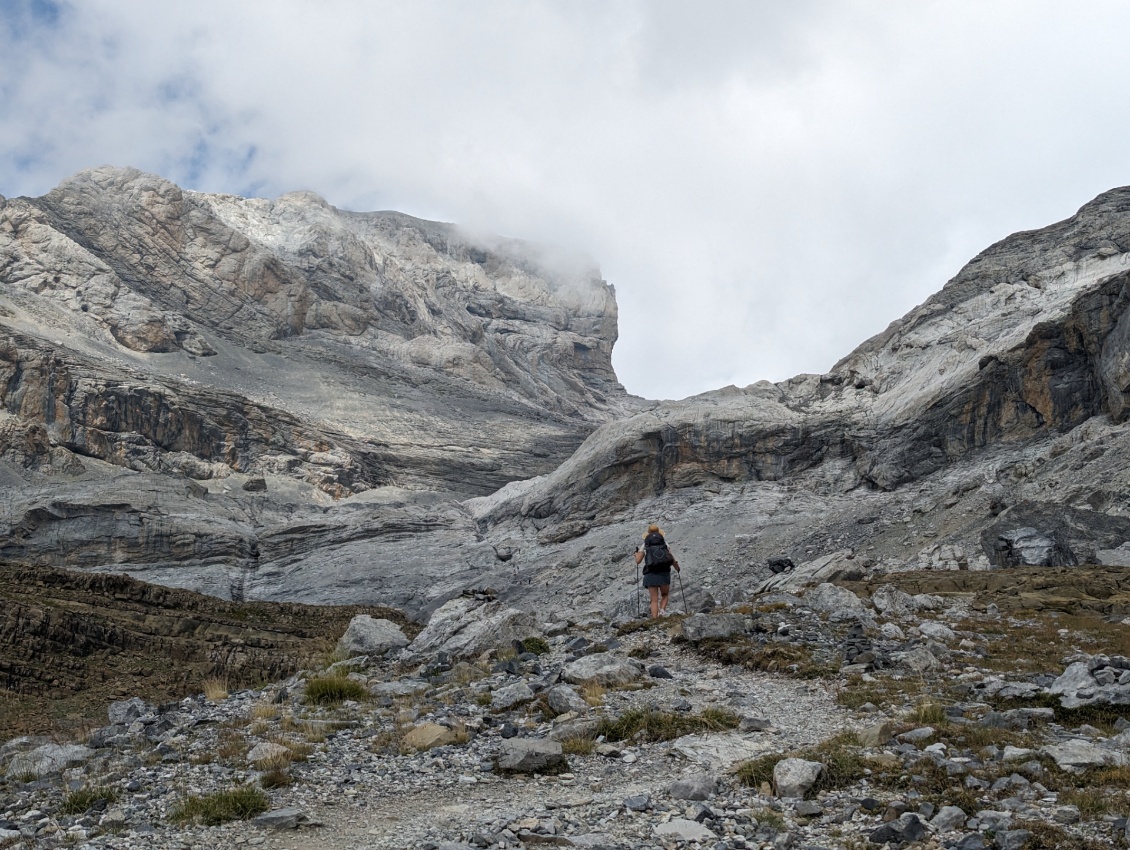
(280,400)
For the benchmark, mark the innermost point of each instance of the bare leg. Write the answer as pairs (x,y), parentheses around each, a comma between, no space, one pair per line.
(654,592)
(663,591)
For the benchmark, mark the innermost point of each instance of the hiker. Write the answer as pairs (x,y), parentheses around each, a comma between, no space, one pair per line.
(658,561)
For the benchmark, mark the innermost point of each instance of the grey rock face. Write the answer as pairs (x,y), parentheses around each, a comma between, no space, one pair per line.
(466,628)
(563,699)
(126,711)
(366,635)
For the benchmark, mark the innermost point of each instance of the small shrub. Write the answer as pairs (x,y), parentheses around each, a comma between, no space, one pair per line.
(483,699)
(536,645)
(754,772)
(215,689)
(647,725)
(241,803)
(276,778)
(80,801)
(593,693)
(929,712)
(578,746)
(332,690)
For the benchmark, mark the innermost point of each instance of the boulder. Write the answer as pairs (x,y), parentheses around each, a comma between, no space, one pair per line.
(604,669)
(684,830)
(510,696)
(266,751)
(581,727)
(948,819)
(530,755)
(699,786)
(466,628)
(701,627)
(917,660)
(124,712)
(876,735)
(809,573)
(288,818)
(1029,547)
(426,736)
(794,777)
(368,635)
(1077,753)
(837,602)
(47,759)
(936,631)
(892,602)
(563,699)
(1092,682)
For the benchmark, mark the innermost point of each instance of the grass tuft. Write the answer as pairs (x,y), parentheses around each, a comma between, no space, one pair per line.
(333,690)
(241,803)
(642,724)
(536,645)
(80,801)
(215,689)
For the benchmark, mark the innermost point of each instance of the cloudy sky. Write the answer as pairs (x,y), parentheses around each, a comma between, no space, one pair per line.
(765,183)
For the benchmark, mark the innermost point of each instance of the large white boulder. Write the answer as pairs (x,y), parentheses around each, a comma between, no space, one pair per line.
(367,635)
(464,628)
(603,668)
(795,777)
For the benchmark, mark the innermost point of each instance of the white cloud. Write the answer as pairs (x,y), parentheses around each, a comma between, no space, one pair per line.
(770,183)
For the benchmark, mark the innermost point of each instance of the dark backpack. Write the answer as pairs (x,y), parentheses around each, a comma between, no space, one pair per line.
(657,557)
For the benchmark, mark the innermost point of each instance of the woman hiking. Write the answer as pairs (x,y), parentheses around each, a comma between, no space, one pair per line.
(658,561)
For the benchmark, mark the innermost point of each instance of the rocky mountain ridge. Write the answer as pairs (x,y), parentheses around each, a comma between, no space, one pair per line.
(365,407)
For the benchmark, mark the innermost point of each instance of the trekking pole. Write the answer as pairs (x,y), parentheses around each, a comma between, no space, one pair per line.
(683,593)
(638,614)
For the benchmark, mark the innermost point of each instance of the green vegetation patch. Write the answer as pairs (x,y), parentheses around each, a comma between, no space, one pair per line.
(332,690)
(240,803)
(84,799)
(643,724)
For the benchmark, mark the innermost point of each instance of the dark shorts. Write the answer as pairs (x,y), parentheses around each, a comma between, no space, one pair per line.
(657,579)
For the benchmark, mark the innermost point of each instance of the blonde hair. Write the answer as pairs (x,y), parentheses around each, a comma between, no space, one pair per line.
(652,529)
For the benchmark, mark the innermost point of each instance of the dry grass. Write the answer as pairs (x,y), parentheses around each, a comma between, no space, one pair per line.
(215,689)
(641,724)
(80,801)
(264,711)
(578,746)
(240,803)
(1037,642)
(1047,836)
(334,690)
(774,657)
(231,745)
(593,693)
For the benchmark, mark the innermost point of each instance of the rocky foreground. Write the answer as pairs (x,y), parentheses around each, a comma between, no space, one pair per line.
(817,719)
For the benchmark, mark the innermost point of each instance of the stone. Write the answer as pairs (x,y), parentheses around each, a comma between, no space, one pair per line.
(266,751)
(914,736)
(948,819)
(367,635)
(699,786)
(530,755)
(906,829)
(1012,839)
(638,803)
(563,699)
(892,632)
(255,484)
(124,712)
(1029,547)
(936,631)
(427,736)
(466,628)
(582,727)
(718,752)
(833,600)
(657,671)
(604,669)
(876,734)
(47,759)
(700,627)
(917,660)
(892,602)
(793,777)
(754,724)
(1077,753)
(286,818)
(685,830)
(510,696)
(973,841)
